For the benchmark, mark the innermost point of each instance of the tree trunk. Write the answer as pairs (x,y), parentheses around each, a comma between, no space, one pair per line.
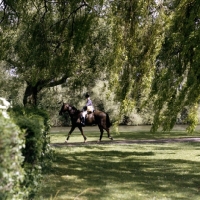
(31,92)
(30,95)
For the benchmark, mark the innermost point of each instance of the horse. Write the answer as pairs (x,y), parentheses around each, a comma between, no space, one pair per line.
(96,117)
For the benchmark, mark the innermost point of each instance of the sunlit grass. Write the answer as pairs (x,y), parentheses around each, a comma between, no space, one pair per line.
(123,171)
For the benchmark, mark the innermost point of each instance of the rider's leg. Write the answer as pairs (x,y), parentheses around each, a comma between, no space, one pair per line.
(83,117)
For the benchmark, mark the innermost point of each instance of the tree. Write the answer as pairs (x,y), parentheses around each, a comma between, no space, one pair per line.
(156,52)
(176,81)
(148,50)
(137,34)
(48,42)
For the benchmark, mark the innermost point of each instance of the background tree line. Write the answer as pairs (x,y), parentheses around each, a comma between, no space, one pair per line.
(138,59)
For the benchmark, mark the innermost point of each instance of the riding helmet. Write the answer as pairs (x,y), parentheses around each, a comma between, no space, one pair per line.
(87,95)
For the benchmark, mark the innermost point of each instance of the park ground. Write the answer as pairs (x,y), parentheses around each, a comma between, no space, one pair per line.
(136,165)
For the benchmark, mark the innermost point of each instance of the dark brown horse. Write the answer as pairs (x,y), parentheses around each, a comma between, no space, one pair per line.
(96,117)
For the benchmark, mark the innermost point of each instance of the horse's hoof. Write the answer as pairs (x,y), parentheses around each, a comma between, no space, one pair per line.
(98,141)
(66,141)
(111,138)
(85,140)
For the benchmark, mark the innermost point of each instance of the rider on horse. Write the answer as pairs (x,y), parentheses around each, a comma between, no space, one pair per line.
(88,106)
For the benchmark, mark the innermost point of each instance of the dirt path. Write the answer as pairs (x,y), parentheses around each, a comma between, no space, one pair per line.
(128,142)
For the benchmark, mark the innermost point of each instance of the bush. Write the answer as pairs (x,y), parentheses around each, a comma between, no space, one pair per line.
(37,152)
(11,171)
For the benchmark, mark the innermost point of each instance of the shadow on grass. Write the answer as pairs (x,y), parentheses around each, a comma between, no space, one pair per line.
(95,172)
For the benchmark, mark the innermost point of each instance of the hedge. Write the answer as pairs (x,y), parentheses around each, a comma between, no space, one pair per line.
(12,174)
(37,152)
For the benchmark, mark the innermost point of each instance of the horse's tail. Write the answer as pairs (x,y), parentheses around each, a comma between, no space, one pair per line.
(108,122)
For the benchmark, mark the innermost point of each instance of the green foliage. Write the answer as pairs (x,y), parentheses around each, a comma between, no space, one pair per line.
(138,47)
(11,172)
(37,152)
(136,40)
(10,86)
(176,80)
(103,99)
(52,34)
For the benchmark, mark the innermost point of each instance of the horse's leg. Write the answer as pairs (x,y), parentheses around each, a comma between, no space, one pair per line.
(101,133)
(71,130)
(81,129)
(108,132)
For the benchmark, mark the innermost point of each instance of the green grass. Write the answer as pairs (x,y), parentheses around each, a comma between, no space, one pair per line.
(123,171)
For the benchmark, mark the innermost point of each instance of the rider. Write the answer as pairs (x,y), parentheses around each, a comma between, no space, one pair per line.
(88,103)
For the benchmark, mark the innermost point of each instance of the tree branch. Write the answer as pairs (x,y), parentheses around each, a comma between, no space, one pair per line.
(57,82)
(71,14)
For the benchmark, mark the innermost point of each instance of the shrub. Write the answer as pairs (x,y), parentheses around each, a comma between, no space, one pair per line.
(11,171)
(37,152)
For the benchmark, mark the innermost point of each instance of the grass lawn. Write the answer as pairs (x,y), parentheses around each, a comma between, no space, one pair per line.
(123,171)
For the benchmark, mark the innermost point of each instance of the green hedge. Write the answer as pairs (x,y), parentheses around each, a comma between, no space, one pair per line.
(11,172)
(37,152)
(24,152)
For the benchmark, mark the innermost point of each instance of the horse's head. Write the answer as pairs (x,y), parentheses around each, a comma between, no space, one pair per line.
(65,107)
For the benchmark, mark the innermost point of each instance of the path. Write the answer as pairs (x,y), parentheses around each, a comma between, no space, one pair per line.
(128,142)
